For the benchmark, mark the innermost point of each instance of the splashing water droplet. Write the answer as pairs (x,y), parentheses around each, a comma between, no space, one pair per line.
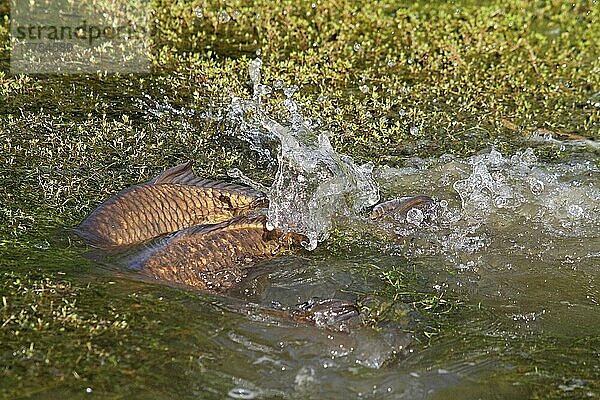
(502,202)
(495,158)
(290,90)
(236,173)
(481,190)
(254,70)
(528,156)
(536,186)
(575,211)
(255,76)
(307,204)
(313,184)
(415,216)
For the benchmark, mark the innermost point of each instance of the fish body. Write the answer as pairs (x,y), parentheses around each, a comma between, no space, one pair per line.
(213,257)
(174,200)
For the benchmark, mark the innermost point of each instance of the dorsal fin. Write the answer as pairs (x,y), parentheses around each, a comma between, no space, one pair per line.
(239,220)
(183,175)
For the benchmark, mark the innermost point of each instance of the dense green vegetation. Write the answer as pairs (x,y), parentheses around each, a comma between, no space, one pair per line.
(417,80)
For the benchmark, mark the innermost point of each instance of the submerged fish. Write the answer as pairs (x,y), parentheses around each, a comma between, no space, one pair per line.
(174,200)
(332,314)
(214,257)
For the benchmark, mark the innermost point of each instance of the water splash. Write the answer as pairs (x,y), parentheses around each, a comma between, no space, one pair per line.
(491,201)
(485,190)
(561,200)
(313,183)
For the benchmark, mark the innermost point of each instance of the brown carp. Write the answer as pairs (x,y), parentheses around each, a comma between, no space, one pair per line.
(214,257)
(174,200)
(399,207)
(217,257)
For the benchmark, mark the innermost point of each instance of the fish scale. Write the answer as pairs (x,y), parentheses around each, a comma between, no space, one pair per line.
(174,200)
(217,238)
(212,257)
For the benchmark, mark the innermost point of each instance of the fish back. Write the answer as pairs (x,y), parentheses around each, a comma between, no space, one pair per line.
(168,203)
(399,207)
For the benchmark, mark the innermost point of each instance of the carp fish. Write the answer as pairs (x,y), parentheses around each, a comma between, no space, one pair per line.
(174,200)
(213,257)
(217,236)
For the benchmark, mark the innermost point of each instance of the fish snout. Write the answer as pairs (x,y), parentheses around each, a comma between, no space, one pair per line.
(400,207)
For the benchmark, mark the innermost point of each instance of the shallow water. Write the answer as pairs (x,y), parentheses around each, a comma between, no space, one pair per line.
(519,259)
(491,294)
(517,238)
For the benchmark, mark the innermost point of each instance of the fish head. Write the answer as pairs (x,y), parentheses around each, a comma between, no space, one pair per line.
(399,207)
(292,240)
